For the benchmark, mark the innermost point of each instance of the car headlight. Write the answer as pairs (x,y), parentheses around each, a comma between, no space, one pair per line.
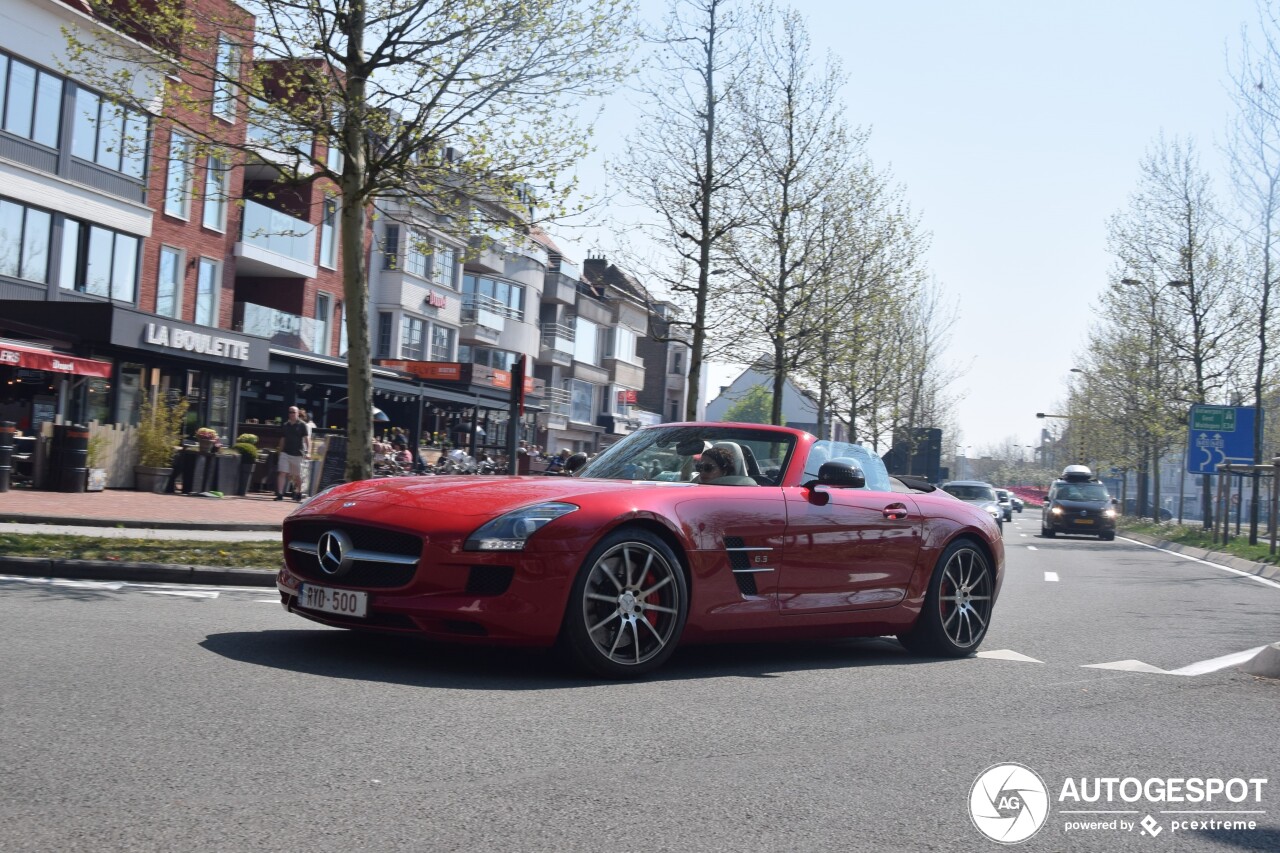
(1057,510)
(994,511)
(509,532)
(1108,513)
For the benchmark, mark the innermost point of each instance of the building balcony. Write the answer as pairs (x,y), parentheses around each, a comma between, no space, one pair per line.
(486,256)
(558,288)
(274,244)
(557,344)
(284,329)
(625,373)
(676,382)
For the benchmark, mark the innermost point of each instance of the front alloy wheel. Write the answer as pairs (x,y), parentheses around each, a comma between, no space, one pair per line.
(628,605)
(957,605)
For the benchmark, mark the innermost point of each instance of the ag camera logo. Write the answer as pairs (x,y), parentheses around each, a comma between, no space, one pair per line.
(1008,803)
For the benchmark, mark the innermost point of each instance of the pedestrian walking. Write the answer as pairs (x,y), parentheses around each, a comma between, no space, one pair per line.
(295,447)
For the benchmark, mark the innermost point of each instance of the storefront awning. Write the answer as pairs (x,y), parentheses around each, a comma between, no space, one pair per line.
(39,358)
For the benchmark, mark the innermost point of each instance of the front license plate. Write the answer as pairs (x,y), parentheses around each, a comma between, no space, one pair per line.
(344,602)
(1084,521)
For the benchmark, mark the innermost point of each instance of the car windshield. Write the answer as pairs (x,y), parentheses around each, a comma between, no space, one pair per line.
(970,493)
(1083,492)
(671,453)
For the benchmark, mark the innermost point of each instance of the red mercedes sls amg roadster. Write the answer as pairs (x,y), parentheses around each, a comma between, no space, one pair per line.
(653,544)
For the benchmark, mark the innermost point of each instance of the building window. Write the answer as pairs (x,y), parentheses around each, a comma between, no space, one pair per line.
(390,248)
(417,253)
(582,405)
(585,338)
(109,135)
(99,261)
(441,343)
(329,234)
(31,101)
(384,334)
(169,285)
(677,361)
(24,241)
(215,194)
(342,334)
(411,333)
(226,78)
(324,314)
(623,344)
(675,410)
(177,184)
(207,293)
(446,267)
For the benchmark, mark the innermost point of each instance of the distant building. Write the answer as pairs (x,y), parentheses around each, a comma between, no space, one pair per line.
(799,405)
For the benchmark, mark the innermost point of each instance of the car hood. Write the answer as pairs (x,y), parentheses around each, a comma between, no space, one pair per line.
(466,496)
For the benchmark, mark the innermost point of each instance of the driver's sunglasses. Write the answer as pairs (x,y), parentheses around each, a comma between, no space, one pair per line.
(706,467)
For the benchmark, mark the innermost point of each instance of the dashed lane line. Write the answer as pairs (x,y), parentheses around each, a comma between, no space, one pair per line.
(1052,577)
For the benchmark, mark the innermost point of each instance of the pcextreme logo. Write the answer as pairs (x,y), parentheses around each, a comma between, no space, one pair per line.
(1009,803)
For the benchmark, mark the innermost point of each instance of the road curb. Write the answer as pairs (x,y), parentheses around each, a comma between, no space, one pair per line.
(104,570)
(80,521)
(1262,570)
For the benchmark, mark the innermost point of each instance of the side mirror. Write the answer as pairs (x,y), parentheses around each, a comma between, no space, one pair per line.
(839,475)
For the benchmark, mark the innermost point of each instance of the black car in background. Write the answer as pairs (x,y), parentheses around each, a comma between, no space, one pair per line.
(1078,503)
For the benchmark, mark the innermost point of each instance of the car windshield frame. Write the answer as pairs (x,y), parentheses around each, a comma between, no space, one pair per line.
(662,453)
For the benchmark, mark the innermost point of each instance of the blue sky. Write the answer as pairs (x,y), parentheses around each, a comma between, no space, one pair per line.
(1016,128)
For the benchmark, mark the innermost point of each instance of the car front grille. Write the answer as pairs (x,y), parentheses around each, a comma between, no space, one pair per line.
(385,550)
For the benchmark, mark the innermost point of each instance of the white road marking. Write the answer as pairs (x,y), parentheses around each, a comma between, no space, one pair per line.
(1007,654)
(1032,548)
(1052,577)
(1200,668)
(1265,581)
(184,593)
(266,601)
(118,585)
(109,585)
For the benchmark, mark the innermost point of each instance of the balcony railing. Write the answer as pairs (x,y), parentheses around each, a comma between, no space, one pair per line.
(278,232)
(284,329)
(558,401)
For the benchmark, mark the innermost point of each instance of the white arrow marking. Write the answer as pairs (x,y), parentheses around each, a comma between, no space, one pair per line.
(1051,576)
(1200,668)
(1007,654)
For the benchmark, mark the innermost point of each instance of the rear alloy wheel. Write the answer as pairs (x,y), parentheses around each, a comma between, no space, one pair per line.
(957,605)
(628,606)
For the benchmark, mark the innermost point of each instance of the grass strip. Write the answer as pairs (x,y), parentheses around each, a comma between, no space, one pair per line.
(1194,535)
(241,555)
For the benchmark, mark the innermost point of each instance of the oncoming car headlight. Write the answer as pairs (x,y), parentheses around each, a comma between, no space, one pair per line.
(994,512)
(1108,513)
(510,531)
(1057,510)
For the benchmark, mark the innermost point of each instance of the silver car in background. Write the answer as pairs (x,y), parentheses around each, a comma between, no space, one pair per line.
(978,493)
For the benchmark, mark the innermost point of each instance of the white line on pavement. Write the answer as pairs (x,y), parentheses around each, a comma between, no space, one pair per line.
(184,593)
(1051,576)
(1032,548)
(1199,668)
(1007,654)
(1264,581)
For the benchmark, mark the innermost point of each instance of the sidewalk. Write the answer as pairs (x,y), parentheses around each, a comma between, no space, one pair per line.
(125,508)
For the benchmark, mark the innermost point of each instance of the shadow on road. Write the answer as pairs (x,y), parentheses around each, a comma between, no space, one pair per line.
(419,663)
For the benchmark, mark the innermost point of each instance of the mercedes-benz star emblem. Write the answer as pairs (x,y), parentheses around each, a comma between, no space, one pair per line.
(333,552)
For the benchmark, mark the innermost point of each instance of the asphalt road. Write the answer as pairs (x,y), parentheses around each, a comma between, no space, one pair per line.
(151,718)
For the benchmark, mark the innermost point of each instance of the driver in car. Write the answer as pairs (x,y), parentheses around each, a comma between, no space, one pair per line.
(713,464)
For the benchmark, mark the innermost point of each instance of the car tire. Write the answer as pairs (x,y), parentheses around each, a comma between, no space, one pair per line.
(1106,537)
(627,607)
(957,604)
(1047,533)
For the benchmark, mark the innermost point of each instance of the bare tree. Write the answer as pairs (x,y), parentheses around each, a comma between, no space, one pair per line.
(684,159)
(799,151)
(391,85)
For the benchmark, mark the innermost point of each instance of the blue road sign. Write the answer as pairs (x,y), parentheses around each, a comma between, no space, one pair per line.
(1219,435)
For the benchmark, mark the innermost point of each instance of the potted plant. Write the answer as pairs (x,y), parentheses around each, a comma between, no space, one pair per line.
(247,447)
(158,433)
(97,456)
(208,438)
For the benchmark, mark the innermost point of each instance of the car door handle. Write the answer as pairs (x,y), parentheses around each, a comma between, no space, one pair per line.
(895,512)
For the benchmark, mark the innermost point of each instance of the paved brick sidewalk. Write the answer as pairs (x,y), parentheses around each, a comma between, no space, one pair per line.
(144,509)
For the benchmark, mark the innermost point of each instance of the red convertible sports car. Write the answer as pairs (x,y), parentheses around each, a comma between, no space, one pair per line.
(679,533)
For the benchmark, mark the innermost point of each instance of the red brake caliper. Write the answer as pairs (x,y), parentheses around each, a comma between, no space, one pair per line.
(650,615)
